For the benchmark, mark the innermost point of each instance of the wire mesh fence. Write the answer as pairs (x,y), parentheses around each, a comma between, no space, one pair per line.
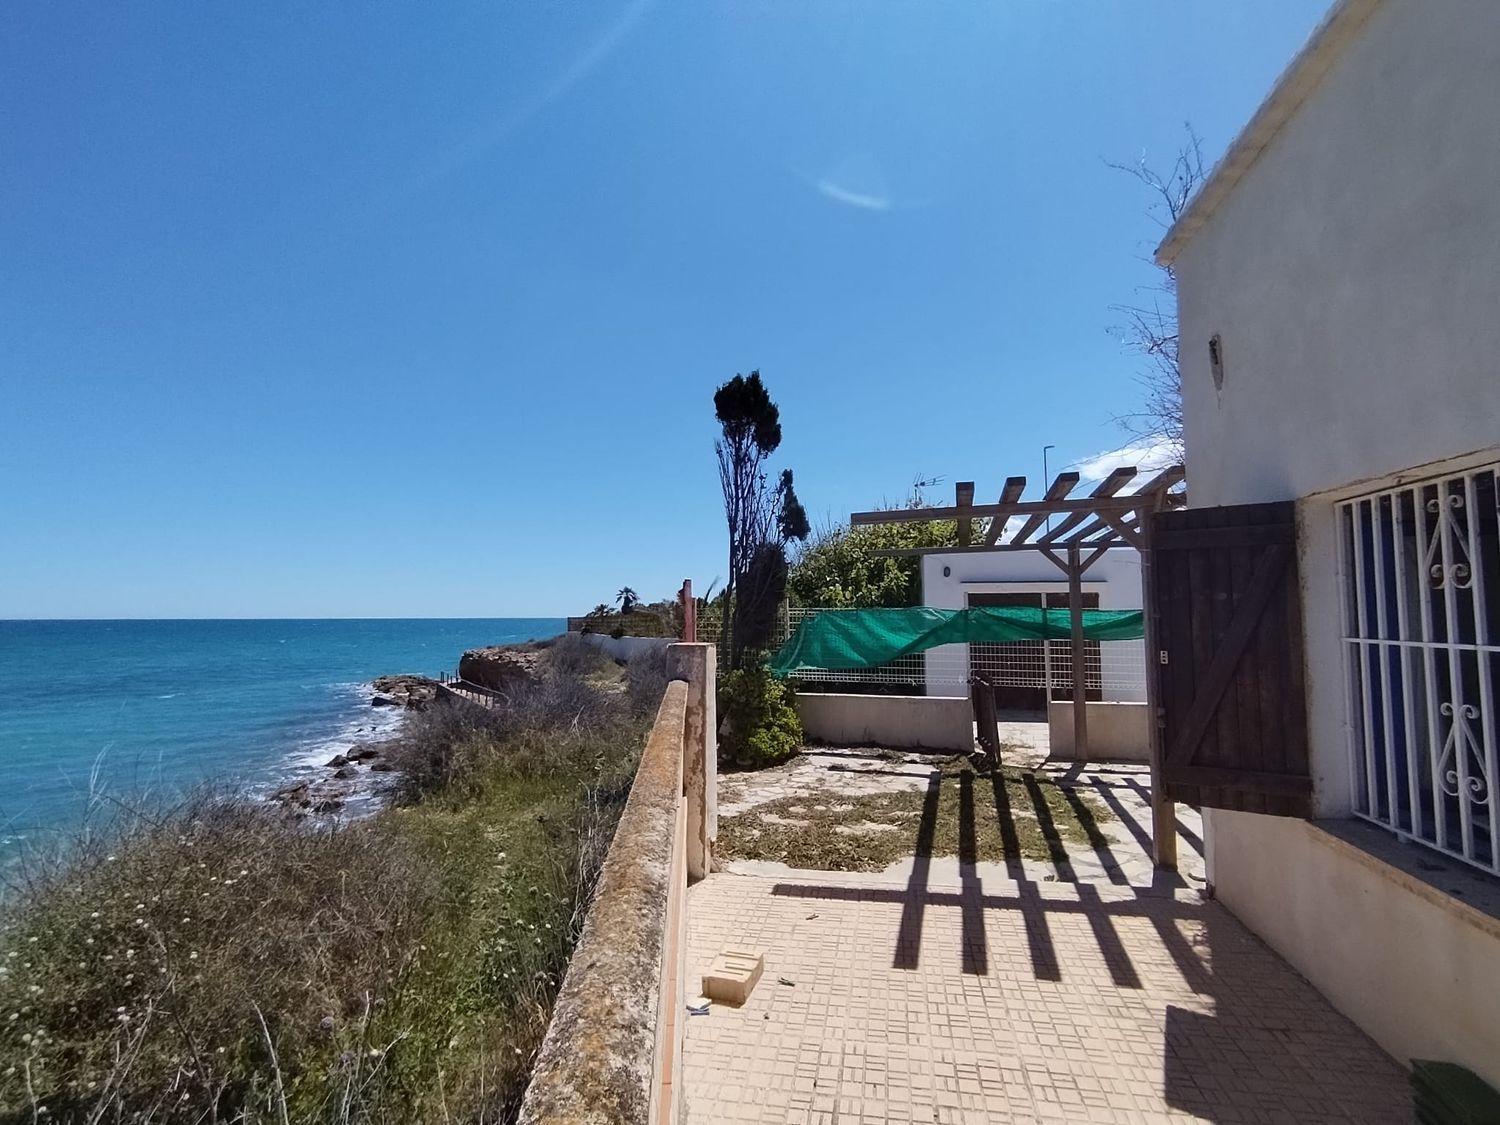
(1113,670)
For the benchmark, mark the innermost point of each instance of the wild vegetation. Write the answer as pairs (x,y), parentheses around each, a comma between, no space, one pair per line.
(223,961)
(759,723)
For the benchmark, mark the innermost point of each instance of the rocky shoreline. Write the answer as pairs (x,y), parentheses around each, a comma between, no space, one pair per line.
(358,777)
(356,780)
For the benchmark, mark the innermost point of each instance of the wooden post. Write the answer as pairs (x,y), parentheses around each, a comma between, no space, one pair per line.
(1080,694)
(1163,808)
(963,497)
(689,613)
(695,663)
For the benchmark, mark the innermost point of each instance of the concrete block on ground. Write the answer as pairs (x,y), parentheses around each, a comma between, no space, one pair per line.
(733,976)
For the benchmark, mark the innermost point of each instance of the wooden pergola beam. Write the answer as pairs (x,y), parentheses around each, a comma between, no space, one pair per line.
(980,511)
(999,549)
(1009,495)
(1169,477)
(1063,484)
(1107,487)
(963,497)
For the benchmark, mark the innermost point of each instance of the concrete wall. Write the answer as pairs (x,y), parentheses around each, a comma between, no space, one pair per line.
(1415,966)
(1116,578)
(613,1050)
(625,648)
(927,722)
(1352,278)
(1118,732)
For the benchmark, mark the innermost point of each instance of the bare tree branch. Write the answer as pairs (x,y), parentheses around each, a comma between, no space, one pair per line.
(1150,326)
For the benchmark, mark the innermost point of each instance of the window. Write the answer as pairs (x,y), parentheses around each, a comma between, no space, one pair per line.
(1421,613)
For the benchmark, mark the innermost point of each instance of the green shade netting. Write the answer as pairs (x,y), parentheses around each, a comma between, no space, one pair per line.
(867,638)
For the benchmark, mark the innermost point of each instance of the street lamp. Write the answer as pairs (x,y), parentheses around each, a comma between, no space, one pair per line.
(1046,479)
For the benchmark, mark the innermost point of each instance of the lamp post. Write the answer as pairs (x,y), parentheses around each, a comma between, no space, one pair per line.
(1046,479)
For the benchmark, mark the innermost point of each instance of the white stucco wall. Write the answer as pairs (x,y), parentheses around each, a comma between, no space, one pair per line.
(1354,273)
(1353,277)
(925,722)
(1116,578)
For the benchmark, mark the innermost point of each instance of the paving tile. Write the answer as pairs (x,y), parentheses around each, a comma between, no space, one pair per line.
(1098,1000)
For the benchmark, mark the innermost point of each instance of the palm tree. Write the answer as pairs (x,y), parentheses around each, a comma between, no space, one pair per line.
(628,599)
(600,610)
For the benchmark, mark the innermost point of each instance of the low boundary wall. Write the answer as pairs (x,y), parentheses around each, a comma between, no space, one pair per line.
(1118,732)
(925,722)
(625,648)
(613,1050)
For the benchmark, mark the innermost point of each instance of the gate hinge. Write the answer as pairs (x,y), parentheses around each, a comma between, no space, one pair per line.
(1161,656)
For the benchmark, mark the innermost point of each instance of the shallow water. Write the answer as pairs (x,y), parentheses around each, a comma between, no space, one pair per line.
(126,706)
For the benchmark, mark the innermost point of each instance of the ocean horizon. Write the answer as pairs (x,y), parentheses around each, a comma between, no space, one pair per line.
(122,707)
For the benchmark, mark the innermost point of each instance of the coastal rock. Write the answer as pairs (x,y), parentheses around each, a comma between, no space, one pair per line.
(337,761)
(381,766)
(383,701)
(294,794)
(360,752)
(500,667)
(346,772)
(415,693)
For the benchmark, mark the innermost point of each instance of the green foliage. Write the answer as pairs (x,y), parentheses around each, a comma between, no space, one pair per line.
(759,597)
(747,414)
(840,570)
(224,961)
(760,718)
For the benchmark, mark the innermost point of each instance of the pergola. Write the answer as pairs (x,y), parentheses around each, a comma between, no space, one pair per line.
(1085,527)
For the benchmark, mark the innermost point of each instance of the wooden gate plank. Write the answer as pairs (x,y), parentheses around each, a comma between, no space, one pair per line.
(1268,573)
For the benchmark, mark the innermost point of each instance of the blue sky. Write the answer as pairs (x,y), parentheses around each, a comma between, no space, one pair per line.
(418,310)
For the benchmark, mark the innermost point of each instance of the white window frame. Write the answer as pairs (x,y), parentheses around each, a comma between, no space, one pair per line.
(1421,653)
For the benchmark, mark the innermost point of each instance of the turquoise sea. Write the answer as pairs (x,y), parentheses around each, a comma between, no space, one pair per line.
(122,706)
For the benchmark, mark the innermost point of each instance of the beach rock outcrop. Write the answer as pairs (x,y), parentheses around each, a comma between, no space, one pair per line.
(500,667)
(415,693)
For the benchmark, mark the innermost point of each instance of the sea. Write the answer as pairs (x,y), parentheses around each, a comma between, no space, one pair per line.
(99,711)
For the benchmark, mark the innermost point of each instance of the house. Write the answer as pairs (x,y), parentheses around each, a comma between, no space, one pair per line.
(1339,311)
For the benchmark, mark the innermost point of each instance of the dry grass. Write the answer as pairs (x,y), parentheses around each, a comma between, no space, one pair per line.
(980,818)
(224,962)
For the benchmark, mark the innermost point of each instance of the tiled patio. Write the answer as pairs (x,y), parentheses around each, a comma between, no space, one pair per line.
(1086,991)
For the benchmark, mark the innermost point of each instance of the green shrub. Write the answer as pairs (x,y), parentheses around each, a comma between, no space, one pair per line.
(759,718)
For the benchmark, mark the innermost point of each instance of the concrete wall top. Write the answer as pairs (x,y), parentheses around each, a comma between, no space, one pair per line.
(599,1060)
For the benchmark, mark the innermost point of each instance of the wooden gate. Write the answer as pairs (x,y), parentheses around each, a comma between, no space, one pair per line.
(1227,626)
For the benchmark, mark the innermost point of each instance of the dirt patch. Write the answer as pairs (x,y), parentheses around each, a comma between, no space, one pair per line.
(1013,813)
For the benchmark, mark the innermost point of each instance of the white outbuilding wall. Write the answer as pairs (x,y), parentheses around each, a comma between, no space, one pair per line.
(1352,276)
(948,579)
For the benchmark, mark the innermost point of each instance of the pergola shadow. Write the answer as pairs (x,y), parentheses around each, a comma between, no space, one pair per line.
(1248,1055)
(972,900)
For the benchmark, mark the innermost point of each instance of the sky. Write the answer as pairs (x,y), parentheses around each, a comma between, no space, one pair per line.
(418,310)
